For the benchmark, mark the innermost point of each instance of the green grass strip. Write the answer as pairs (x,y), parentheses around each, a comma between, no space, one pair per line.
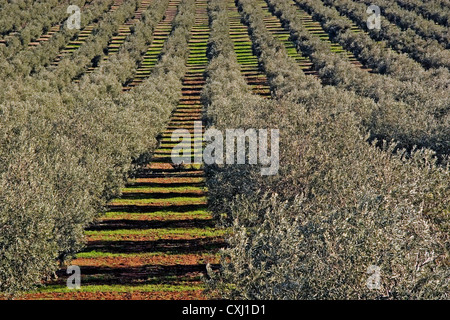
(111,235)
(197,214)
(120,288)
(166,201)
(162,189)
(99,254)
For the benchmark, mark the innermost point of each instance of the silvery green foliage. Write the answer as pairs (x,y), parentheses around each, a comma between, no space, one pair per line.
(30,18)
(279,250)
(123,64)
(422,88)
(226,93)
(360,206)
(406,19)
(73,65)
(338,205)
(429,53)
(371,52)
(66,149)
(17,61)
(432,10)
(396,114)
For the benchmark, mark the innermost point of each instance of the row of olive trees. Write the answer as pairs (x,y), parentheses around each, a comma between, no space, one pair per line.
(289,83)
(66,150)
(224,93)
(371,53)
(409,20)
(431,10)
(383,114)
(123,64)
(411,91)
(339,207)
(41,22)
(429,53)
(406,111)
(17,61)
(17,15)
(94,46)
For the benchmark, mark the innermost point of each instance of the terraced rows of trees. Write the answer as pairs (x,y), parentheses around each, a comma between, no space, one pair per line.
(87,175)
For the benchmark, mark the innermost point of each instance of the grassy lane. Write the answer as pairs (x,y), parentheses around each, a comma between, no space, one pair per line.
(273,24)
(84,34)
(315,28)
(46,36)
(160,35)
(123,32)
(282,33)
(155,241)
(248,61)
